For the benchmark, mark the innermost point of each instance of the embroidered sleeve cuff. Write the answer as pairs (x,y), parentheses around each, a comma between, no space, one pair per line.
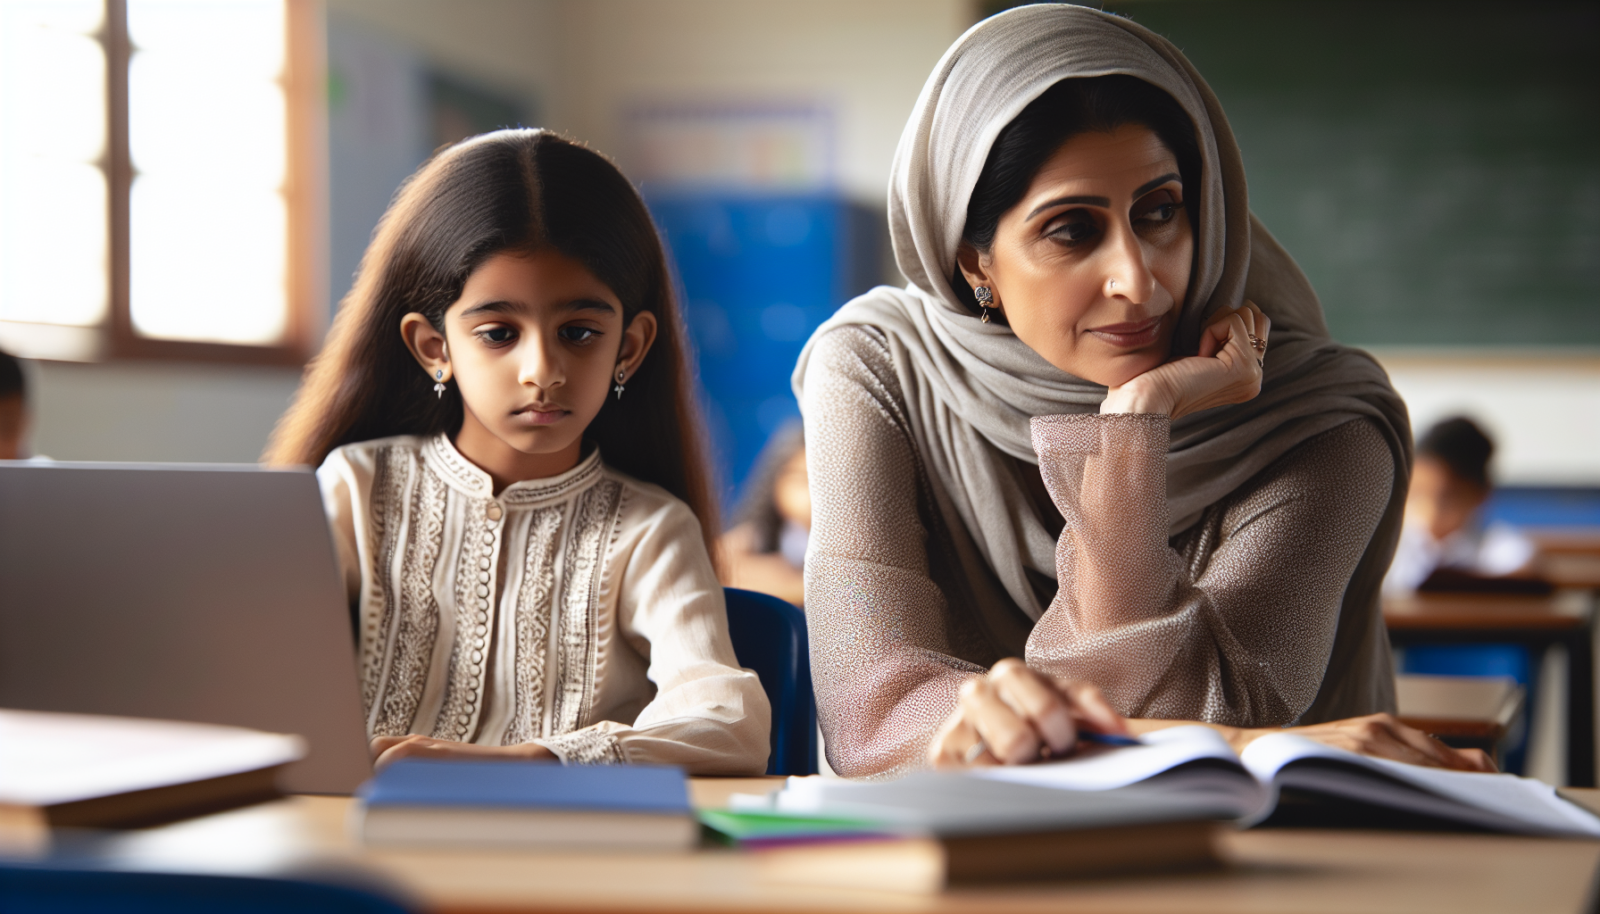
(1093,433)
(589,746)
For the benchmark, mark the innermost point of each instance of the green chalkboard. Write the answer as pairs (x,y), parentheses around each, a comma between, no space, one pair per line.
(1434,167)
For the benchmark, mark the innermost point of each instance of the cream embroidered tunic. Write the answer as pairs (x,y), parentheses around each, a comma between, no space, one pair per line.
(580,612)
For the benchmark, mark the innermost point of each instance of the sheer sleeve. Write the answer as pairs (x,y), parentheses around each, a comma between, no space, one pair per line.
(881,661)
(1235,625)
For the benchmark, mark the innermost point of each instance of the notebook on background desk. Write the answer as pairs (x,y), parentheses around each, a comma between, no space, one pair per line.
(205,593)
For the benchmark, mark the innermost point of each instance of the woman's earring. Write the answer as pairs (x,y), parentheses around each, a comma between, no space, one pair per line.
(985,298)
(438,382)
(622,375)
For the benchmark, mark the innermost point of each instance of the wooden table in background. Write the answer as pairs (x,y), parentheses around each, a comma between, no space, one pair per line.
(1567,619)
(1282,871)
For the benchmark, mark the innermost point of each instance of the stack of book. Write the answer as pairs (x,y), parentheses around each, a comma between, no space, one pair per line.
(526,804)
(84,770)
(1106,810)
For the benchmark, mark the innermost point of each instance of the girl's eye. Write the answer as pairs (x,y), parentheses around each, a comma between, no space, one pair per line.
(1157,208)
(496,336)
(1073,227)
(578,334)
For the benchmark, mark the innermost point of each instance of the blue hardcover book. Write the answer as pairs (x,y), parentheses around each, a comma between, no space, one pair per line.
(501,803)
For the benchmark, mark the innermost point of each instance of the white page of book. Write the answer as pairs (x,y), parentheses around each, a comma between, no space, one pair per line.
(1149,766)
(1106,767)
(1507,799)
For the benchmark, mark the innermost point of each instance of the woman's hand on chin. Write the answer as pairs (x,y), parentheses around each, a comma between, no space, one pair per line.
(1227,370)
(1016,715)
(386,749)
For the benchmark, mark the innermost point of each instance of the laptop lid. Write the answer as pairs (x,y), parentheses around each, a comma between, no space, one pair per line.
(207,593)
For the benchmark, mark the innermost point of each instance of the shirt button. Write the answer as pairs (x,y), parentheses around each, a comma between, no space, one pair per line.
(483,577)
(482,630)
(494,511)
(464,719)
(482,617)
(483,563)
(488,539)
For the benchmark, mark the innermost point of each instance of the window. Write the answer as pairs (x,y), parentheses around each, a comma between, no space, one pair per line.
(159,179)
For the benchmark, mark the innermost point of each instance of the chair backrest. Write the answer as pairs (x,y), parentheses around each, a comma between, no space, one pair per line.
(769,637)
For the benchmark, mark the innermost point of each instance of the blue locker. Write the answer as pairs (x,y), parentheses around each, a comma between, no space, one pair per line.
(758,274)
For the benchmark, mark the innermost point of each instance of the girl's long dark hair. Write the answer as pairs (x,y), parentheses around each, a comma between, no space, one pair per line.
(512,190)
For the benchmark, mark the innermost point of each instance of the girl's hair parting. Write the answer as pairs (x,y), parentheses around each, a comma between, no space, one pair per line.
(511,190)
(1095,104)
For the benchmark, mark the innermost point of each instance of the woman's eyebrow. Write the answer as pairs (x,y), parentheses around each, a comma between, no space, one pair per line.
(1148,186)
(1143,189)
(1104,202)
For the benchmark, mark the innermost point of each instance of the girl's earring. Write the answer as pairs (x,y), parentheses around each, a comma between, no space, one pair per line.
(985,297)
(438,382)
(622,375)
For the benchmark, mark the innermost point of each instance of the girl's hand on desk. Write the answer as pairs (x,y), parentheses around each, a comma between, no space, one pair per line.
(1016,715)
(386,749)
(1380,736)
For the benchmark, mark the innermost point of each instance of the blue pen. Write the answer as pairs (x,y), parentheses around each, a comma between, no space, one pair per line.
(1108,739)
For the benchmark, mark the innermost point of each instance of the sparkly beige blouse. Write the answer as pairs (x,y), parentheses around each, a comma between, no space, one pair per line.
(580,612)
(1233,620)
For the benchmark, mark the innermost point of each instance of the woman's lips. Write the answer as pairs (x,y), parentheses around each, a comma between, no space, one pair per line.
(1131,334)
(540,414)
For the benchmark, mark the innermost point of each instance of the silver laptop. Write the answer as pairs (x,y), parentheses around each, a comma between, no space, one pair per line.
(186,592)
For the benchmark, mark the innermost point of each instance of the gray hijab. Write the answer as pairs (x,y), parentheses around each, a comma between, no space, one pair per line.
(973,387)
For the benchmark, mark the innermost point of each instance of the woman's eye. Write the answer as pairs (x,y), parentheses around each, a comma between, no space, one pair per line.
(1074,228)
(496,335)
(1157,208)
(578,334)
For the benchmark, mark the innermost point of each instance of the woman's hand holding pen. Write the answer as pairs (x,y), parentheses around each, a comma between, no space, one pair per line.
(1016,715)
(1228,369)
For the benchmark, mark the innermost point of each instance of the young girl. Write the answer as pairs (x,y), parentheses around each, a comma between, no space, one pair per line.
(511,466)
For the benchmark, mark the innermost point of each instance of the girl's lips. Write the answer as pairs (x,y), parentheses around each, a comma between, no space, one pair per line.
(535,415)
(1130,335)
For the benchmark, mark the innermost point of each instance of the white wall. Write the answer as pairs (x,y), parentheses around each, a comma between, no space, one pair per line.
(1542,410)
(156,411)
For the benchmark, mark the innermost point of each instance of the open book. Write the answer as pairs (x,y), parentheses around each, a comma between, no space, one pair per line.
(1188,771)
(1281,770)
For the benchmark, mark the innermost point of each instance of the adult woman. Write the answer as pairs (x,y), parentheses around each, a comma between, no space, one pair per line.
(1073,440)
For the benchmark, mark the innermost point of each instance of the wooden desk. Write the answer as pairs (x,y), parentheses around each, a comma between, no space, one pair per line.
(1280,871)
(1566,618)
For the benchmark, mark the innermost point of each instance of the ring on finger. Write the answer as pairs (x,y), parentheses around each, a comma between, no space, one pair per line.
(1257,343)
(1260,364)
(973,752)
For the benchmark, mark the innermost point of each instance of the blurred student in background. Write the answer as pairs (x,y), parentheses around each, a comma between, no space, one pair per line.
(13,409)
(766,549)
(1446,543)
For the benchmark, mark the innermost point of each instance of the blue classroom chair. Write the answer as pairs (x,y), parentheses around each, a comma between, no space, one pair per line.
(60,888)
(769,637)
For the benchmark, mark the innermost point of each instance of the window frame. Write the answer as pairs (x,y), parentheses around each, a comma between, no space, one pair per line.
(305,197)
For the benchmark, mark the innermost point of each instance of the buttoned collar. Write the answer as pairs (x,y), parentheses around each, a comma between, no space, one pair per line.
(462,474)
